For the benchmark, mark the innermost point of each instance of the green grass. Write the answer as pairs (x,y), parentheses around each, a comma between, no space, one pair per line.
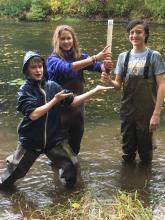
(124,206)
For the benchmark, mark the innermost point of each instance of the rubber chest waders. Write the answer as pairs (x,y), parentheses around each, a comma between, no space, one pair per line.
(137,105)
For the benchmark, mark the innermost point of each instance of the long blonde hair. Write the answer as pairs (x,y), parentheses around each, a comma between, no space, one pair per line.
(56,41)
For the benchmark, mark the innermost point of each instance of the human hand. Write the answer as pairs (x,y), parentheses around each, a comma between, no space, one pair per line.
(62,95)
(106,78)
(108,65)
(154,122)
(105,54)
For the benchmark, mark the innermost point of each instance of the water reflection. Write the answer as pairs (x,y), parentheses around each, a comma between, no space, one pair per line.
(101,170)
(136,176)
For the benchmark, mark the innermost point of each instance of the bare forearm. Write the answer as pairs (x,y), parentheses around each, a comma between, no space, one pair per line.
(106,78)
(103,55)
(159,100)
(155,119)
(81,98)
(109,82)
(40,111)
(77,65)
(115,84)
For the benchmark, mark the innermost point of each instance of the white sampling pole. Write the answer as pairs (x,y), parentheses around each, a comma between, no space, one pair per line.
(109,33)
(109,38)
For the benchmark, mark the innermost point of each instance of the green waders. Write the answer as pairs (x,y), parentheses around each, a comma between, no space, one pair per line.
(137,106)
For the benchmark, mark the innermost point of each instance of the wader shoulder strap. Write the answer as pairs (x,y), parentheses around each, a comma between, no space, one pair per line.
(146,67)
(126,63)
(147,64)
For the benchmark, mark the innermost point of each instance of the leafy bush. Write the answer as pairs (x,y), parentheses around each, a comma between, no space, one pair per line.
(39,10)
(55,5)
(93,7)
(14,7)
(123,7)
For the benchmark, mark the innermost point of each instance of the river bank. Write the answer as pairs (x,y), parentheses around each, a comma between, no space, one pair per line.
(150,20)
(119,10)
(84,206)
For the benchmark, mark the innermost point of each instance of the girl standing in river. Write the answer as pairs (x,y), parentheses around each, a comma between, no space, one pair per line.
(65,66)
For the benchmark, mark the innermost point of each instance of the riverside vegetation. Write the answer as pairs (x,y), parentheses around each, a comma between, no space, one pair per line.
(125,206)
(38,10)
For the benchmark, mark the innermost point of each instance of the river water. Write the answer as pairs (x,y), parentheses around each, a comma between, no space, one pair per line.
(102,170)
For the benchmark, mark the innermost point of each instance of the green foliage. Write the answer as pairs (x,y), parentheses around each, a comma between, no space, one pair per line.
(39,10)
(71,7)
(157,8)
(86,206)
(13,7)
(122,7)
(55,5)
(162,12)
(93,7)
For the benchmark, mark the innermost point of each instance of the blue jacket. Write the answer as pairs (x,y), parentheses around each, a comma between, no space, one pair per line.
(60,70)
(45,132)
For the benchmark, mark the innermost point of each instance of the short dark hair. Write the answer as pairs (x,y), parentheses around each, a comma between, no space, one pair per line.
(36,59)
(135,22)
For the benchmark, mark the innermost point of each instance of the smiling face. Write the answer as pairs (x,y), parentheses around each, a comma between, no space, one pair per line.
(137,36)
(35,69)
(65,40)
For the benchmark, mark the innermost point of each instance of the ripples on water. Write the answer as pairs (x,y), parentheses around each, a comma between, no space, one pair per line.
(102,171)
